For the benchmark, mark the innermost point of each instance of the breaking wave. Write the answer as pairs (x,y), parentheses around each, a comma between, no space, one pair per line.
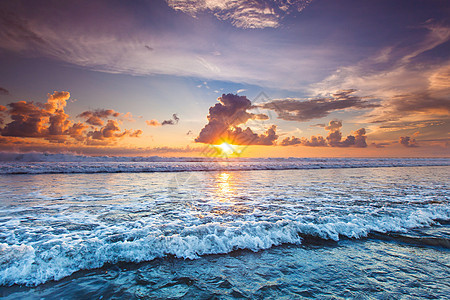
(61,255)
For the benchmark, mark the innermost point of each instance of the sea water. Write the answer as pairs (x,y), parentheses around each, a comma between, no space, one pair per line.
(367,232)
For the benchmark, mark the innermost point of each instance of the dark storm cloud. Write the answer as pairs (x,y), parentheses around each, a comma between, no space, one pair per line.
(298,110)
(334,138)
(408,142)
(50,122)
(224,118)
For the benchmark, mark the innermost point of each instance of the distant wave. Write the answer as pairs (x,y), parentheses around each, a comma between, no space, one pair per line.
(42,163)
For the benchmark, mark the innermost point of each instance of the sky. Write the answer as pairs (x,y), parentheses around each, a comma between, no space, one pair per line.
(282,78)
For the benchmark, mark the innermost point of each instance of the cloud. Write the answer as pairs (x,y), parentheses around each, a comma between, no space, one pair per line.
(30,120)
(412,85)
(95,117)
(49,121)
(108,133)
(306,110)
(2,109)
(111,129)
(379,145)
(410,125)
(225,117)
(410,81)
(128,117)
(168,122)
(4,91)
(153,122)
(334,138)
(242,13)
(184,48)
(136,133)
(239,136)
(420,103)
(408,142)
(334,125)
(318,141)
(175,119)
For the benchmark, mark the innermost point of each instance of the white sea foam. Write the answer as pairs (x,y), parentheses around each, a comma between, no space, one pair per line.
(54,225)
(57,256)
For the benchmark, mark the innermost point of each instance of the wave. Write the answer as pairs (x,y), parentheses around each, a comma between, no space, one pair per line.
(62,163)
(420,241)
(36,263)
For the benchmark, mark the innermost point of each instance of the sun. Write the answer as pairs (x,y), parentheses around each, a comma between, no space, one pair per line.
(226,149)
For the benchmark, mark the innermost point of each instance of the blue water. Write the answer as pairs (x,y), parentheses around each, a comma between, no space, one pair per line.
(367,233)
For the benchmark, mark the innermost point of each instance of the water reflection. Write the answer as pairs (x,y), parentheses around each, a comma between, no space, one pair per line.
(224,190)
(227,201)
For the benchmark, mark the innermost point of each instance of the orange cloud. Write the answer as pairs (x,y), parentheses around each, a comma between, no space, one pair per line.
(175,119)
(50,122)
(95,117)
(153,123)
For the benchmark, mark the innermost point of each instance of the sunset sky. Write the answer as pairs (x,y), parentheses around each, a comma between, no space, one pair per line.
(280,78)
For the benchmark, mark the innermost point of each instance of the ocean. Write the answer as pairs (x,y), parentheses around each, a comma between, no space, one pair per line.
(129,228)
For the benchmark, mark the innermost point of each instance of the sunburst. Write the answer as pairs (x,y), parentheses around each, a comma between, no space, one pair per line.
(226,149)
